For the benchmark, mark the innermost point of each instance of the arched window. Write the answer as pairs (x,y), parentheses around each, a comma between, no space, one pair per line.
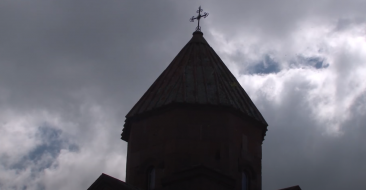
(244,181)
(151,178)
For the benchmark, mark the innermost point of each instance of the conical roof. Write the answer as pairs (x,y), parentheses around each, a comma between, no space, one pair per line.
(196,76)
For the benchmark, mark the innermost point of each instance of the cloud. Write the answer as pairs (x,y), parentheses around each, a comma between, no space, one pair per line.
(307,92)
(71,70)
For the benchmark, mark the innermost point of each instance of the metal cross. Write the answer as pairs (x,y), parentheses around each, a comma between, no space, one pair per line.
(198,28)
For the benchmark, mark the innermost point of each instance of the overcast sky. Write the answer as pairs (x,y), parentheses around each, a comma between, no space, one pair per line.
(71,70)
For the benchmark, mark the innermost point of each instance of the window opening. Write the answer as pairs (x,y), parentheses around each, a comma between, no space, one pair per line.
(244,181)
(151,178)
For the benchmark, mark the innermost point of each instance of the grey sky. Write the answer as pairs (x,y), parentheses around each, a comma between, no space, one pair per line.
(71,70)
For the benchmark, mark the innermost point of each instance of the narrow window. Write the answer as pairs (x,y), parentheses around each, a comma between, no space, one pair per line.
(151,178)
(244,181)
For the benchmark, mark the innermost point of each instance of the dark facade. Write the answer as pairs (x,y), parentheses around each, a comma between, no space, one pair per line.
(106,182)
(195,128)
(183,139)
(195,120)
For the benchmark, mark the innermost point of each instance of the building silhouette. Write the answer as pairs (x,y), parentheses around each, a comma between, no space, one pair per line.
(194,128)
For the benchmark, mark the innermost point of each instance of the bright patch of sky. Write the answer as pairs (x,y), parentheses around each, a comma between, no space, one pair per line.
(333,63)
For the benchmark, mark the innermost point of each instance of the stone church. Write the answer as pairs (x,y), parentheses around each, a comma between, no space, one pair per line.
(194,128)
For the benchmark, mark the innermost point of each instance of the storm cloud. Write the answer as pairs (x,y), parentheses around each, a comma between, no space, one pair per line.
(71,70)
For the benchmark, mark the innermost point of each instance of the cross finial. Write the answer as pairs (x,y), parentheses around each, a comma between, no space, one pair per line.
(198,28)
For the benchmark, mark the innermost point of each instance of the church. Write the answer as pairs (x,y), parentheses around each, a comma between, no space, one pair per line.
(194,128)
